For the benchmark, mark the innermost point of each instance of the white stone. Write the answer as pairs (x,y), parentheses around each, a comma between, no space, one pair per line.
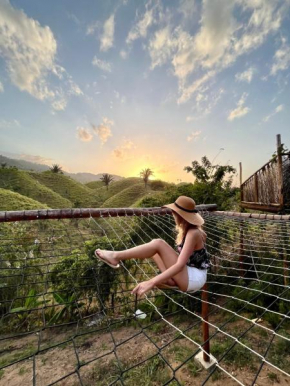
(207,365)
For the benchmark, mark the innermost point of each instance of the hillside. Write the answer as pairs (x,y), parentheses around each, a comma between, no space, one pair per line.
(86,178)
(21,182)
(79,194)
(117,186)
(127,197)
(15,201)
(60,191)
(95,184)
(21,164)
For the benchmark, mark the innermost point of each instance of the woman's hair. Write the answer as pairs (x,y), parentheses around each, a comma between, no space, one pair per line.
(182,226)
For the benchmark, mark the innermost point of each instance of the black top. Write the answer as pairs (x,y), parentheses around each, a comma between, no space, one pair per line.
(199,258)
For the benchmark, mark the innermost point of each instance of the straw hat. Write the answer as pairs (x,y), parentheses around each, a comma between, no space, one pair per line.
(185,207)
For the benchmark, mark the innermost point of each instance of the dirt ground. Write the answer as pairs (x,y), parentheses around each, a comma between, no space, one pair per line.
(97,358)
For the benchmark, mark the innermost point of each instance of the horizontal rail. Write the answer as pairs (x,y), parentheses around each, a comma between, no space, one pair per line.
(55,214)
(272,207)
(285,217)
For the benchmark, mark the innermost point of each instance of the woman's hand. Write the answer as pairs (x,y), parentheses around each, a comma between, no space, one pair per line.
(143,287)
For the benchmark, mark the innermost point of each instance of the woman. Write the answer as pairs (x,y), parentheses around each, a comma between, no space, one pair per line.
(186,269)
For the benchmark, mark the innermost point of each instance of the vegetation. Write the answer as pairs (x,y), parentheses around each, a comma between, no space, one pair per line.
(22,182)
(15,201)
(213,183)
(95,184)
(107,179)
(126,197)
(55,168)
(67,188)
(145,174)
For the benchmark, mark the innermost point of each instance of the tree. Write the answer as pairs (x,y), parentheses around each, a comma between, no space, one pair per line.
(3,165)
(213,183)
(107,179)
(55,168)
(206,172)
(145,174)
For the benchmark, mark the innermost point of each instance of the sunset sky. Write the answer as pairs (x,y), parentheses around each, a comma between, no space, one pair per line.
(118,86)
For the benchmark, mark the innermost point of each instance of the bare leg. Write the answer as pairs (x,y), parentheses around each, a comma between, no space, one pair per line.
(162,268)
(167,254)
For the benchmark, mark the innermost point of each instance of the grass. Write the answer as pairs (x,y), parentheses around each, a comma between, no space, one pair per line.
(22,182)
(22,370)
(181,354)
(15,201)
(18,355)
(117,186)
(55,190)
(1,373)
(238,355)
(154,372)
(95,184)
(273,377)
(78,194)
(126,197)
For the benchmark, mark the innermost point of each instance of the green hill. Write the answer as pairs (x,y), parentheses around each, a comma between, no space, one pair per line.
(117,186)
(21,182)
(95,184)
(15,201)
(127,197)
(80,195)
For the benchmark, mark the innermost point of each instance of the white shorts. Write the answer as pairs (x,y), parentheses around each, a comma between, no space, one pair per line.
(196,278)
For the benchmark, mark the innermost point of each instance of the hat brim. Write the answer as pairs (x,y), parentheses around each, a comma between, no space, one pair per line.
(192,218)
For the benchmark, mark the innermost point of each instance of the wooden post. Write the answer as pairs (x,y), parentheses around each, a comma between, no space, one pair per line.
(256,193)
(280,172)
(285,256)
(241,252)
(241,182)
(205,328)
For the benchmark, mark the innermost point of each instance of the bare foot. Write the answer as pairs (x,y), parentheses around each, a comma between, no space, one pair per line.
(108,256)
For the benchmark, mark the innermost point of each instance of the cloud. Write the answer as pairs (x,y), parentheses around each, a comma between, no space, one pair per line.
(123,54)
(103,130)
(11,124)
(84,134)
(160,48)
(59,105)
(281,58)
(193,136)
(1,87)
(245,76)
(277,110)
(28,49)
(35,159)
(92,28)
(74,89)
(241,110)
(123,151)
(187,8)
(141,27)
(221,39)
(102,64)
(107,37)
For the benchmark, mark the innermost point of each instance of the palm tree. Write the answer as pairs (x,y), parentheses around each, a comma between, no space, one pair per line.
(107,179)
(55,168)
(145,174)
